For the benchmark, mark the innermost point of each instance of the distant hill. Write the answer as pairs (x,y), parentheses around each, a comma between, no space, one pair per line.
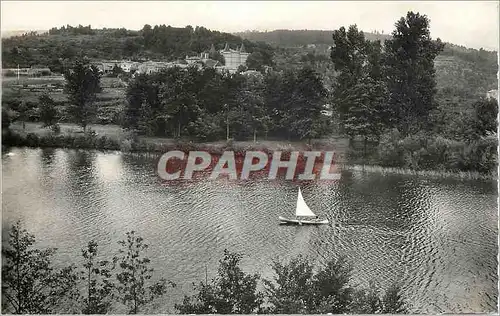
(462,73)
(294,38)
(7,34)
(59,46)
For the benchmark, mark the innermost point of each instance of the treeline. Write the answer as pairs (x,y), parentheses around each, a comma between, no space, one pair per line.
(70,30)
(298,38)
(32,284)
(387,98)
(210,105)
(60,46)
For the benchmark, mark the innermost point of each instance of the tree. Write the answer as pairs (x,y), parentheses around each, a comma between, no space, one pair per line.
(215,55)
(408,68)
(82,86)
(367,111)
(359,94)
(30,284)
(255,61)
(116,71)
(236,290)
(48,111)
(306,103)
(135,272)
(367,301)
(7,117)
(485,117)
(23,111)
(96,275)
(231,292)
(331,284)
(135,96)
(292,290)
(393,302)
(349,54)
(251,101)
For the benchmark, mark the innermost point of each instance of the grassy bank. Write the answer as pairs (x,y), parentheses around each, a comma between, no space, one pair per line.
(112,137)
(469,175)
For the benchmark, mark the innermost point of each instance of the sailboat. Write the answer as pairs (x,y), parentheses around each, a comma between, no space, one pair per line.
(302,213)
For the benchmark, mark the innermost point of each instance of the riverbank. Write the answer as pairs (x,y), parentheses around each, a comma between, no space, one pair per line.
(112,137)
(468,175)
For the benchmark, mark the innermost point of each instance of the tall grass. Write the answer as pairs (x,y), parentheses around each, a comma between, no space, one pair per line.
(466,175)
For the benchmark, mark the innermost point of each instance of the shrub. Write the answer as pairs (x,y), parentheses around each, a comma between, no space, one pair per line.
(126,145)
(231,292)
(390,151)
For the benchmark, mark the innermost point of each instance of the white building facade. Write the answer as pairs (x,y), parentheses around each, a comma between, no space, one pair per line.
(234,58)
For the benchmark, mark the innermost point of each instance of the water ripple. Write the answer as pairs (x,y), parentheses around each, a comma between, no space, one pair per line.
(437,238)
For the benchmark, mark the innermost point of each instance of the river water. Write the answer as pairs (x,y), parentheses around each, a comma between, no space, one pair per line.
(436,237)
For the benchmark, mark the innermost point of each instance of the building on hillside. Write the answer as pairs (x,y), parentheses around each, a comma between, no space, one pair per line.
(203,60)
(252,73)
(234,58)
(150,67)
(106,66)
(492,94)
(37,71)
(128,66)
(203,57)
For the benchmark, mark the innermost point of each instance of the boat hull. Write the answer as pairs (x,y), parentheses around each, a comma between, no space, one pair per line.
(286,221)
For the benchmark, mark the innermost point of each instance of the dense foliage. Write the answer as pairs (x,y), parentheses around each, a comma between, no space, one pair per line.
(83,82)
(294,38)
(231,292)
(388,98)
(298,287)
(209,105)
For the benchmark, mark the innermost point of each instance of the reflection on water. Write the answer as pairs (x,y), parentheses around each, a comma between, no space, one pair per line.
(437,238)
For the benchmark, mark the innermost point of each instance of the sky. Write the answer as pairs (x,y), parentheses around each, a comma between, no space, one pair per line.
(470,23)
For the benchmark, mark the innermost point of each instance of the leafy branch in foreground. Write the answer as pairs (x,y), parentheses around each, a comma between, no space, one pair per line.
(135,272)
(96,275)
(30,284)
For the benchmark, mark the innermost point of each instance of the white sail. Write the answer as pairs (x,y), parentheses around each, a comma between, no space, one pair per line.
(302,208)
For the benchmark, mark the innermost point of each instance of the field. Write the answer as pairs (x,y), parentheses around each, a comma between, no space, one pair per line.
(110,101)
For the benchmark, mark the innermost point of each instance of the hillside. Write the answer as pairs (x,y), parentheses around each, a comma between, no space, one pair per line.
(12,33)
(463,74)
(296,38)
(59,46)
